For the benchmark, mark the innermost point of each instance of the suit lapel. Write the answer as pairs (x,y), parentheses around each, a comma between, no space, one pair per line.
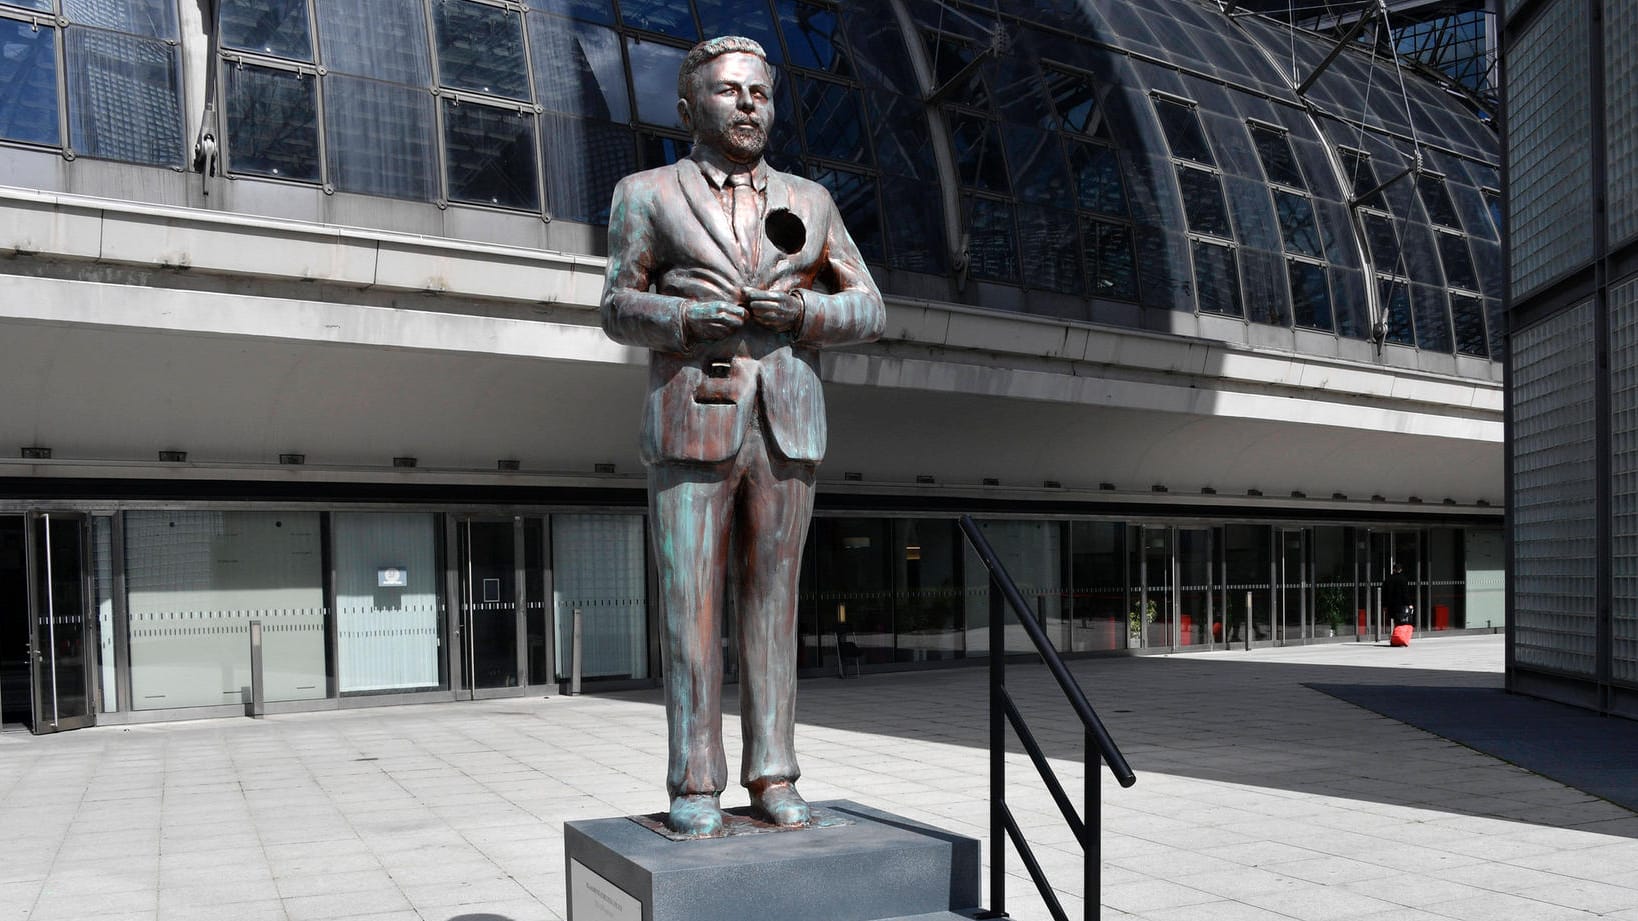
(708,211)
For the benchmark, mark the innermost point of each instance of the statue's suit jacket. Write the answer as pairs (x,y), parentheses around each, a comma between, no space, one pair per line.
(668,231)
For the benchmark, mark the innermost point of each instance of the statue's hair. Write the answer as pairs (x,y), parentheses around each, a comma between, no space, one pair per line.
(713,48)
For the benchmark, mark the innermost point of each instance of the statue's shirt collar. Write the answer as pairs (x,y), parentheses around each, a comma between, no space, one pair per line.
(715,168)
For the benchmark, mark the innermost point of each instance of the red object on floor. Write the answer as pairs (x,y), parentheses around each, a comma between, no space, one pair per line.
(1401,635)
(1441,617)
(1187,633)
(1361,620)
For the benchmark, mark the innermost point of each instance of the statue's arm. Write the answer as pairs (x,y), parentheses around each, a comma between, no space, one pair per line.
(852,312)
(632,314)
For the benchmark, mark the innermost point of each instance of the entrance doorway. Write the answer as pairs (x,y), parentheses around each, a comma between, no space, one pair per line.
(46,636)
(491,627)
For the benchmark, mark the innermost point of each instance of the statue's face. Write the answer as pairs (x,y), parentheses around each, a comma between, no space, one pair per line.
(731,107)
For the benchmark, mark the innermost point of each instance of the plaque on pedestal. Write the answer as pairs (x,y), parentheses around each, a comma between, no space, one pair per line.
(856,864)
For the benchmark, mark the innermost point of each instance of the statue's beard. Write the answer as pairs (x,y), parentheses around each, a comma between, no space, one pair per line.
(741,142)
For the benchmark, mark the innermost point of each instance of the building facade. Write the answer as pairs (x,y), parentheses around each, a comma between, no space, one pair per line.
(299,327)
(1572,161)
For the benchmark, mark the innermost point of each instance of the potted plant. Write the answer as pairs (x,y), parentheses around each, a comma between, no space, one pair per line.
(1331,604)
(1140,616)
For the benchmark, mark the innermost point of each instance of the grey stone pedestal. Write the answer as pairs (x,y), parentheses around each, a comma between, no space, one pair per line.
(879,866)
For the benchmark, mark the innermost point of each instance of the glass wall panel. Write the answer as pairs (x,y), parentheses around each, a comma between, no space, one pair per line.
(1216,279)
(1310,297)
(480,48)
(382,39)
(741,17)
(380,138)
(1196,615)
(489,569)
(1555,490)
(150,18)
(275,27)
(915,236)
(272,120)
(28,71)
(1031,553)
(1151,614)
(579,69)
(832,120)
(388,623)
(855,602)
(490,154)
(1446,587)
(196,579)
(1248,602)
(992,246)
(587,158)
(1203,202)
(1097,597)
(1098,186)
(654,81)
(536,604)
(102,597)
(928,596)
(1052,253)
(855,197)
(593,10)
(598,568)
(1337,598)
(124,97)
(813,36)
(668,17)
(1109,264)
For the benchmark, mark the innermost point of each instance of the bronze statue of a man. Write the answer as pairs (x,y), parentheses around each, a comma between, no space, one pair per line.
(733,274)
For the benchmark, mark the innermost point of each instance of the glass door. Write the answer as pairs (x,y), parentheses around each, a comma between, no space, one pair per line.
(61,641)
(492,625)
(1196,620)
(1296,621)
(1150,620)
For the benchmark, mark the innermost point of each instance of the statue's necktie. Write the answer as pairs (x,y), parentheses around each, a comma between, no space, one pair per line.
(746,217)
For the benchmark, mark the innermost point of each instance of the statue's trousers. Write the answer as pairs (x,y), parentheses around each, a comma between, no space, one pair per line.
(737,526)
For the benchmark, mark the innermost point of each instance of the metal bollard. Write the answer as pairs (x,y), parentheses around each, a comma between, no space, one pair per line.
(574,655)
(257,703)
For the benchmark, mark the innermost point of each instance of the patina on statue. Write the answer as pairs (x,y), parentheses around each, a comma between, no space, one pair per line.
(733,274)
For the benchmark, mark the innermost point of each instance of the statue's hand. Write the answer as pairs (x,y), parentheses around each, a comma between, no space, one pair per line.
(712,320)
(780,311)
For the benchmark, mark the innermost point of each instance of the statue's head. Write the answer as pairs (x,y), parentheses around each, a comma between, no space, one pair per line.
(725,96)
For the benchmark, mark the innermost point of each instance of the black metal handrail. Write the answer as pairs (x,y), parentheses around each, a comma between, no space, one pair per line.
(1004,711)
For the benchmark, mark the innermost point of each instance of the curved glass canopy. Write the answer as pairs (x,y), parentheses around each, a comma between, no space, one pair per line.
(1050,156)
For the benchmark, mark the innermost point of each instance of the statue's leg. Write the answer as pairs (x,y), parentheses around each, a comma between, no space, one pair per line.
(775,505)
(690,511)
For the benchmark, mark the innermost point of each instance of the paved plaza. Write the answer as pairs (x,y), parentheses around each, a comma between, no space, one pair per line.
(1262,794)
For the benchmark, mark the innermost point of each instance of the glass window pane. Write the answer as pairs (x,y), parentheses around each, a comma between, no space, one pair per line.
(668,17)
(658,150)
(584,159)
(915,235)
(1265,286)
(992,247)
(1216,279)
(1182,126)
(1203,201)
(1038,168)
(1348,303)
(899,128)
(1362,175)
(599,566)
(384,39)
(1098,185)
(491,155)
(813,35)
(194,580)
(978,152)
(1458,264)
(387,636)
(593,10)
(272,122)
(831,120)
(124,98)
(1297,224)
(1075,97)
(1110,268)
(949,58)
(579,69)
(276,27)
(749,18)
(1396,309)
(1468,313)
(1384,240)
(873,34)
(1279,165)
(28,71)
(151,18)
(1051,249)
(1436,199)
(855,197)
(1432,318)
(480,48)
(380,138)
(654,81)
(1310,296)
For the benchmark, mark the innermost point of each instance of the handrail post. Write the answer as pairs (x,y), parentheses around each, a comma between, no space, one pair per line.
(1092,821)
(998,751)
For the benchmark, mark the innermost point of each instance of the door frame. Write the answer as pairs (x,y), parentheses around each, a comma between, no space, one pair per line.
(44,611)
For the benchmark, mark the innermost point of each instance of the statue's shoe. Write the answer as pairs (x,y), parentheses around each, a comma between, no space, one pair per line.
(779,803)
(697,815)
